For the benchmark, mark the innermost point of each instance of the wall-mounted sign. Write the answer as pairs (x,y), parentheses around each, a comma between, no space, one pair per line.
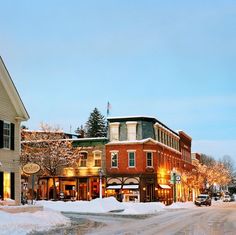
(31,168)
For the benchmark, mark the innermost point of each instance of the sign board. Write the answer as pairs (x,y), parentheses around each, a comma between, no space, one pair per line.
(177,177)
(31,168)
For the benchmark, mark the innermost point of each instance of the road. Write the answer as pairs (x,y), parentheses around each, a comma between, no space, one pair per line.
(215,220)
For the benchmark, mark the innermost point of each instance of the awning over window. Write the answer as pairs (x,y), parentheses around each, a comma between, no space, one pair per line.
(131,186)
(127,186)
(115,186)
(164,186)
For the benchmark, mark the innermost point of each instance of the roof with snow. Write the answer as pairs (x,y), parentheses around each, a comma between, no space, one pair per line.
(12,92)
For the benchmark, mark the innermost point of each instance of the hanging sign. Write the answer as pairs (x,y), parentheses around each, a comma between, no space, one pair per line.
(31,168)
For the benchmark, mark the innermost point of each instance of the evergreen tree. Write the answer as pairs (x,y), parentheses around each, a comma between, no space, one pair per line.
(96,125)
(80,131)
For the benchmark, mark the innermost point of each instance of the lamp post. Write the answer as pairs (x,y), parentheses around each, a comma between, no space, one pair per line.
(174,183)
(100,182)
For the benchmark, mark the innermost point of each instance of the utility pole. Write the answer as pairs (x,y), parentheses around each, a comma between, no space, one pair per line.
(174,183)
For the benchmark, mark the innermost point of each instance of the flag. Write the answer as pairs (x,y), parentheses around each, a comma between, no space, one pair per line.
(108,108)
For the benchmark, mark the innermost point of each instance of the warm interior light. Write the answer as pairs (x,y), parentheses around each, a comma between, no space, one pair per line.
(7,185)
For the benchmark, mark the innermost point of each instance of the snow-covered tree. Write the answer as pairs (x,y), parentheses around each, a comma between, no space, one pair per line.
(96,125)
(49,149)
(215,173)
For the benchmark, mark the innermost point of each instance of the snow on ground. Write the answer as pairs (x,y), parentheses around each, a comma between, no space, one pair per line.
(23,223)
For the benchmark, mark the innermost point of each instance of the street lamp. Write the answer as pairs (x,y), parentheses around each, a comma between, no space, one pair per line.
(100,171)
(174,183)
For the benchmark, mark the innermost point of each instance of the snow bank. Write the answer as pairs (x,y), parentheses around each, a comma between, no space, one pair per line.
(23,223)
(143,208)
(181,205)
(95,206)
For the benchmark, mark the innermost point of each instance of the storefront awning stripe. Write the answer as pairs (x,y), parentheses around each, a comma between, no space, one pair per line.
(117,186)
(164,186)
(131,186)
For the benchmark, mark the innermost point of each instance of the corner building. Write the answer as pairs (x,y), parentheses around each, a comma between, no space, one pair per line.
(141,156)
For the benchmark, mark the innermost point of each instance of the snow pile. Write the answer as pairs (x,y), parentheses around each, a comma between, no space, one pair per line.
(23,223)
(181,205)
(143,208)
(110,204)
(95,206)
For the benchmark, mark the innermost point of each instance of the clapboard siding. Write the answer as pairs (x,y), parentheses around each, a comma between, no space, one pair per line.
(10,158)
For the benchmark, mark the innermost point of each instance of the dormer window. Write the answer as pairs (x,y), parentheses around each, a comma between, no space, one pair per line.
(131,130)
(114,131)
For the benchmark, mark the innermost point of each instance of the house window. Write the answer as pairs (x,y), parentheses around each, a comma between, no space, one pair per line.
(6,135)
(83,159)
(131,130)
(149,159)
(114,159)
(114,131)
(97,159)
(7,185)
(131,159)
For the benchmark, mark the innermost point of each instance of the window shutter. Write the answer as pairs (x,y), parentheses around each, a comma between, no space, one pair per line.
(1,184)
(1,134)
(13,185)
(12,136)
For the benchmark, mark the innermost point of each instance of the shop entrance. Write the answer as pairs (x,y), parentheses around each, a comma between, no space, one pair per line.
(83,189)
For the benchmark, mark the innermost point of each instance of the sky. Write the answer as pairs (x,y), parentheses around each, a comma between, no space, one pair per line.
(173,60)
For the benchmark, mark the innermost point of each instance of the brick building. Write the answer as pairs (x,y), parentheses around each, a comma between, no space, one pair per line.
(141,155)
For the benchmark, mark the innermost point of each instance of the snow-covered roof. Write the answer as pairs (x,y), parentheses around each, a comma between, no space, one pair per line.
(12,92)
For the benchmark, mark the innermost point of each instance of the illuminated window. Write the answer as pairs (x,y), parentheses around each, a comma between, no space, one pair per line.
(97,159)
(7,185)
(83,159)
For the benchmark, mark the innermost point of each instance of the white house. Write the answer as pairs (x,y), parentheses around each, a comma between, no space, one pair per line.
(12,113)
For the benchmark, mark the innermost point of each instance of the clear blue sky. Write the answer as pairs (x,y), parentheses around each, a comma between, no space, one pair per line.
(174,60)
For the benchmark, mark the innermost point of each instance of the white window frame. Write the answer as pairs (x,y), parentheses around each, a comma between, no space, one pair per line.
(114,131)
(131,130)
(149,152)
(117,158)
(6,137)
(129,152)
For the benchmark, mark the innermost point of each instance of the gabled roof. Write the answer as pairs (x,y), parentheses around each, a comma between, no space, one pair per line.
(12,92)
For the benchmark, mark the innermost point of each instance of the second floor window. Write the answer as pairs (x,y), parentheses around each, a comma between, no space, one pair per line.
(83,159)
(97,159)
(114,159)
(149,159)
(6,135)
(131,159)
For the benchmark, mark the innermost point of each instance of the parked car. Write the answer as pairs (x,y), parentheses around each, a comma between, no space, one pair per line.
(226,198)
(203,199)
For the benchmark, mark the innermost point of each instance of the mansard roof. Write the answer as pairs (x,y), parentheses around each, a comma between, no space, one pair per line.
(140,118)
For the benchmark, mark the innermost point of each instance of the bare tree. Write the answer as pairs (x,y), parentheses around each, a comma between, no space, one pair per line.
(49,149)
